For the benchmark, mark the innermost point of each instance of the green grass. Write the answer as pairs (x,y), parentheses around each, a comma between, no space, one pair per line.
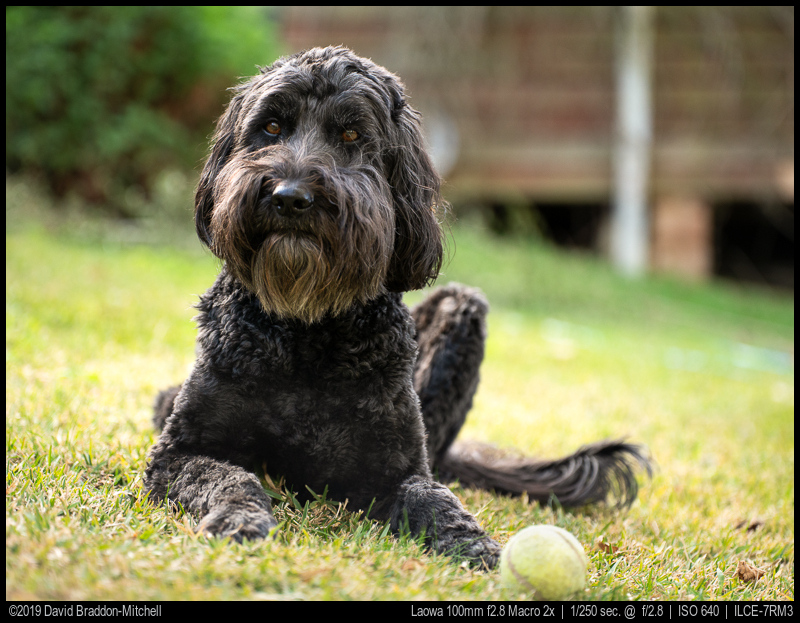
(704,375)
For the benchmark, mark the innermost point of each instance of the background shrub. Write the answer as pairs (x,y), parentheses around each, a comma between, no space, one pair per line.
(100,100)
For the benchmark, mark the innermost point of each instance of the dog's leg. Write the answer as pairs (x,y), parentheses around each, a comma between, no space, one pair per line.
(229,499)
(163,406)
(451,332)
(426,507)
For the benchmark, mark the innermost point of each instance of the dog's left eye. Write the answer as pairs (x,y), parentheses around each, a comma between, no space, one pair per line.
(273,128)
(348,136)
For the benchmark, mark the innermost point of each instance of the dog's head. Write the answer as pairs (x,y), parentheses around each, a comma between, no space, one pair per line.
(318,192)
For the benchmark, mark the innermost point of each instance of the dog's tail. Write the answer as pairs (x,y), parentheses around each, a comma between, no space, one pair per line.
(599,472)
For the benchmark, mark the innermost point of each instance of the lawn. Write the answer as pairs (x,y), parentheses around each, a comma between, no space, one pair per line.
(702,374)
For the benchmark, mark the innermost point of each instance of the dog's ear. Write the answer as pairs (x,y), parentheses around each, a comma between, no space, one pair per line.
(224,138)
(415,185)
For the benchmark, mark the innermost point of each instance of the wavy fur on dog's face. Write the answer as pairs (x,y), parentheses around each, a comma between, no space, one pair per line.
(318,192)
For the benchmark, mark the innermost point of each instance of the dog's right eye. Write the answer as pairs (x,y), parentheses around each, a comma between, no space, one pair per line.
(273,128)
(349,136)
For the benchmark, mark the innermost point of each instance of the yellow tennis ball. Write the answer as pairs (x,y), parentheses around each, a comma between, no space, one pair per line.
(544,560)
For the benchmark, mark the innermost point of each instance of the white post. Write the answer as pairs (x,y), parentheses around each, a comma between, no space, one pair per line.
(629,223)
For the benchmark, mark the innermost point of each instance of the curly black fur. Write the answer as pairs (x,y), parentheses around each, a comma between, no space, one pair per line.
(322,203)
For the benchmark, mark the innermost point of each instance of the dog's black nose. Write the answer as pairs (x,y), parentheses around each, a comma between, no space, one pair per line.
(291,198)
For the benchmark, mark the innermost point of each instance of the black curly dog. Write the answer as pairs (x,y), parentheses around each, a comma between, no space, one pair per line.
(322,203)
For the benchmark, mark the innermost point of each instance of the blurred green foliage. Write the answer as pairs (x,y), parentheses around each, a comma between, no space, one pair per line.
(99,100)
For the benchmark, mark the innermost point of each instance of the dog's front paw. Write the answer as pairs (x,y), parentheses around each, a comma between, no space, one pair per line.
(479,552)
(238,522)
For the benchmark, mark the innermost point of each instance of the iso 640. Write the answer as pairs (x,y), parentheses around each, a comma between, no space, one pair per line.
(704,610)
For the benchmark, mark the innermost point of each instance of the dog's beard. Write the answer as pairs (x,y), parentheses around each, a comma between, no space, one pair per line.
(294,276)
